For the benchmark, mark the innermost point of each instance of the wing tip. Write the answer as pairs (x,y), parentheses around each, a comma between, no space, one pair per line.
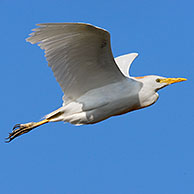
(84,24)
(135,54)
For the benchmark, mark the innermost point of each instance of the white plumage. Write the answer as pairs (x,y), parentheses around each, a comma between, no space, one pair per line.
(96,86)
(79,55)
(124,63)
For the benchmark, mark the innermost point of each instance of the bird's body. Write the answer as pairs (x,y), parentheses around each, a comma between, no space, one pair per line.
(96,86)
(101,103)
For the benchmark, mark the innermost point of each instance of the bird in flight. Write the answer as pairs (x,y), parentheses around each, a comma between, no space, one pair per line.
(96,86)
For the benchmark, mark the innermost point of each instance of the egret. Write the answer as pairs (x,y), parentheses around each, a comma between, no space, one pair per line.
(96,86)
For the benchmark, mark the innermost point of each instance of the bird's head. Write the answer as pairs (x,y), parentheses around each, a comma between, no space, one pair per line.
(155,82)
(150,85)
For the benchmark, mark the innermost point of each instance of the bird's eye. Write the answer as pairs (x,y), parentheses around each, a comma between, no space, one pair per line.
(157,80)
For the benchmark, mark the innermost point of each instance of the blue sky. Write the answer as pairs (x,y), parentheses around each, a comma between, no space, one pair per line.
(144,152)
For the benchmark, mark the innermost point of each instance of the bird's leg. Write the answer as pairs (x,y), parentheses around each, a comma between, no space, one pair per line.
(20,129)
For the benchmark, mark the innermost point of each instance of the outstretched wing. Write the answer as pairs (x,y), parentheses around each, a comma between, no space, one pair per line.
(79,54)
(124,63)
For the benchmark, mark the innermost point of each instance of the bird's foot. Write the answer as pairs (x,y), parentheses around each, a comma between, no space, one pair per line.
(20,129)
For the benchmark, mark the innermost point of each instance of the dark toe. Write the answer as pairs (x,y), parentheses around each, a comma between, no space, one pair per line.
(16,126)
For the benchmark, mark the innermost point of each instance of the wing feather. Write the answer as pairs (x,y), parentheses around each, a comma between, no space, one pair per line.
(124,63)
(79,54)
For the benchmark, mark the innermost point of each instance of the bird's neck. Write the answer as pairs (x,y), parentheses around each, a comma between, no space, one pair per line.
(147,97)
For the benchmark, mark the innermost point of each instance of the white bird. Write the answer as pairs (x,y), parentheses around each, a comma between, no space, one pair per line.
(96,86)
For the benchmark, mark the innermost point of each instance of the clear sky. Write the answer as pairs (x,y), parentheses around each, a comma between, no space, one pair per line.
(150,151)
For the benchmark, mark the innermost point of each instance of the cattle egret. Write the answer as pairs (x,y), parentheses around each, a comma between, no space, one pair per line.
(96,86)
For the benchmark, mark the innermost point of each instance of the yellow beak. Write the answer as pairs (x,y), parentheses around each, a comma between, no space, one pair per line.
(172,80)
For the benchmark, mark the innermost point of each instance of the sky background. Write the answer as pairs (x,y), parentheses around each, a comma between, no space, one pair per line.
(150,151)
